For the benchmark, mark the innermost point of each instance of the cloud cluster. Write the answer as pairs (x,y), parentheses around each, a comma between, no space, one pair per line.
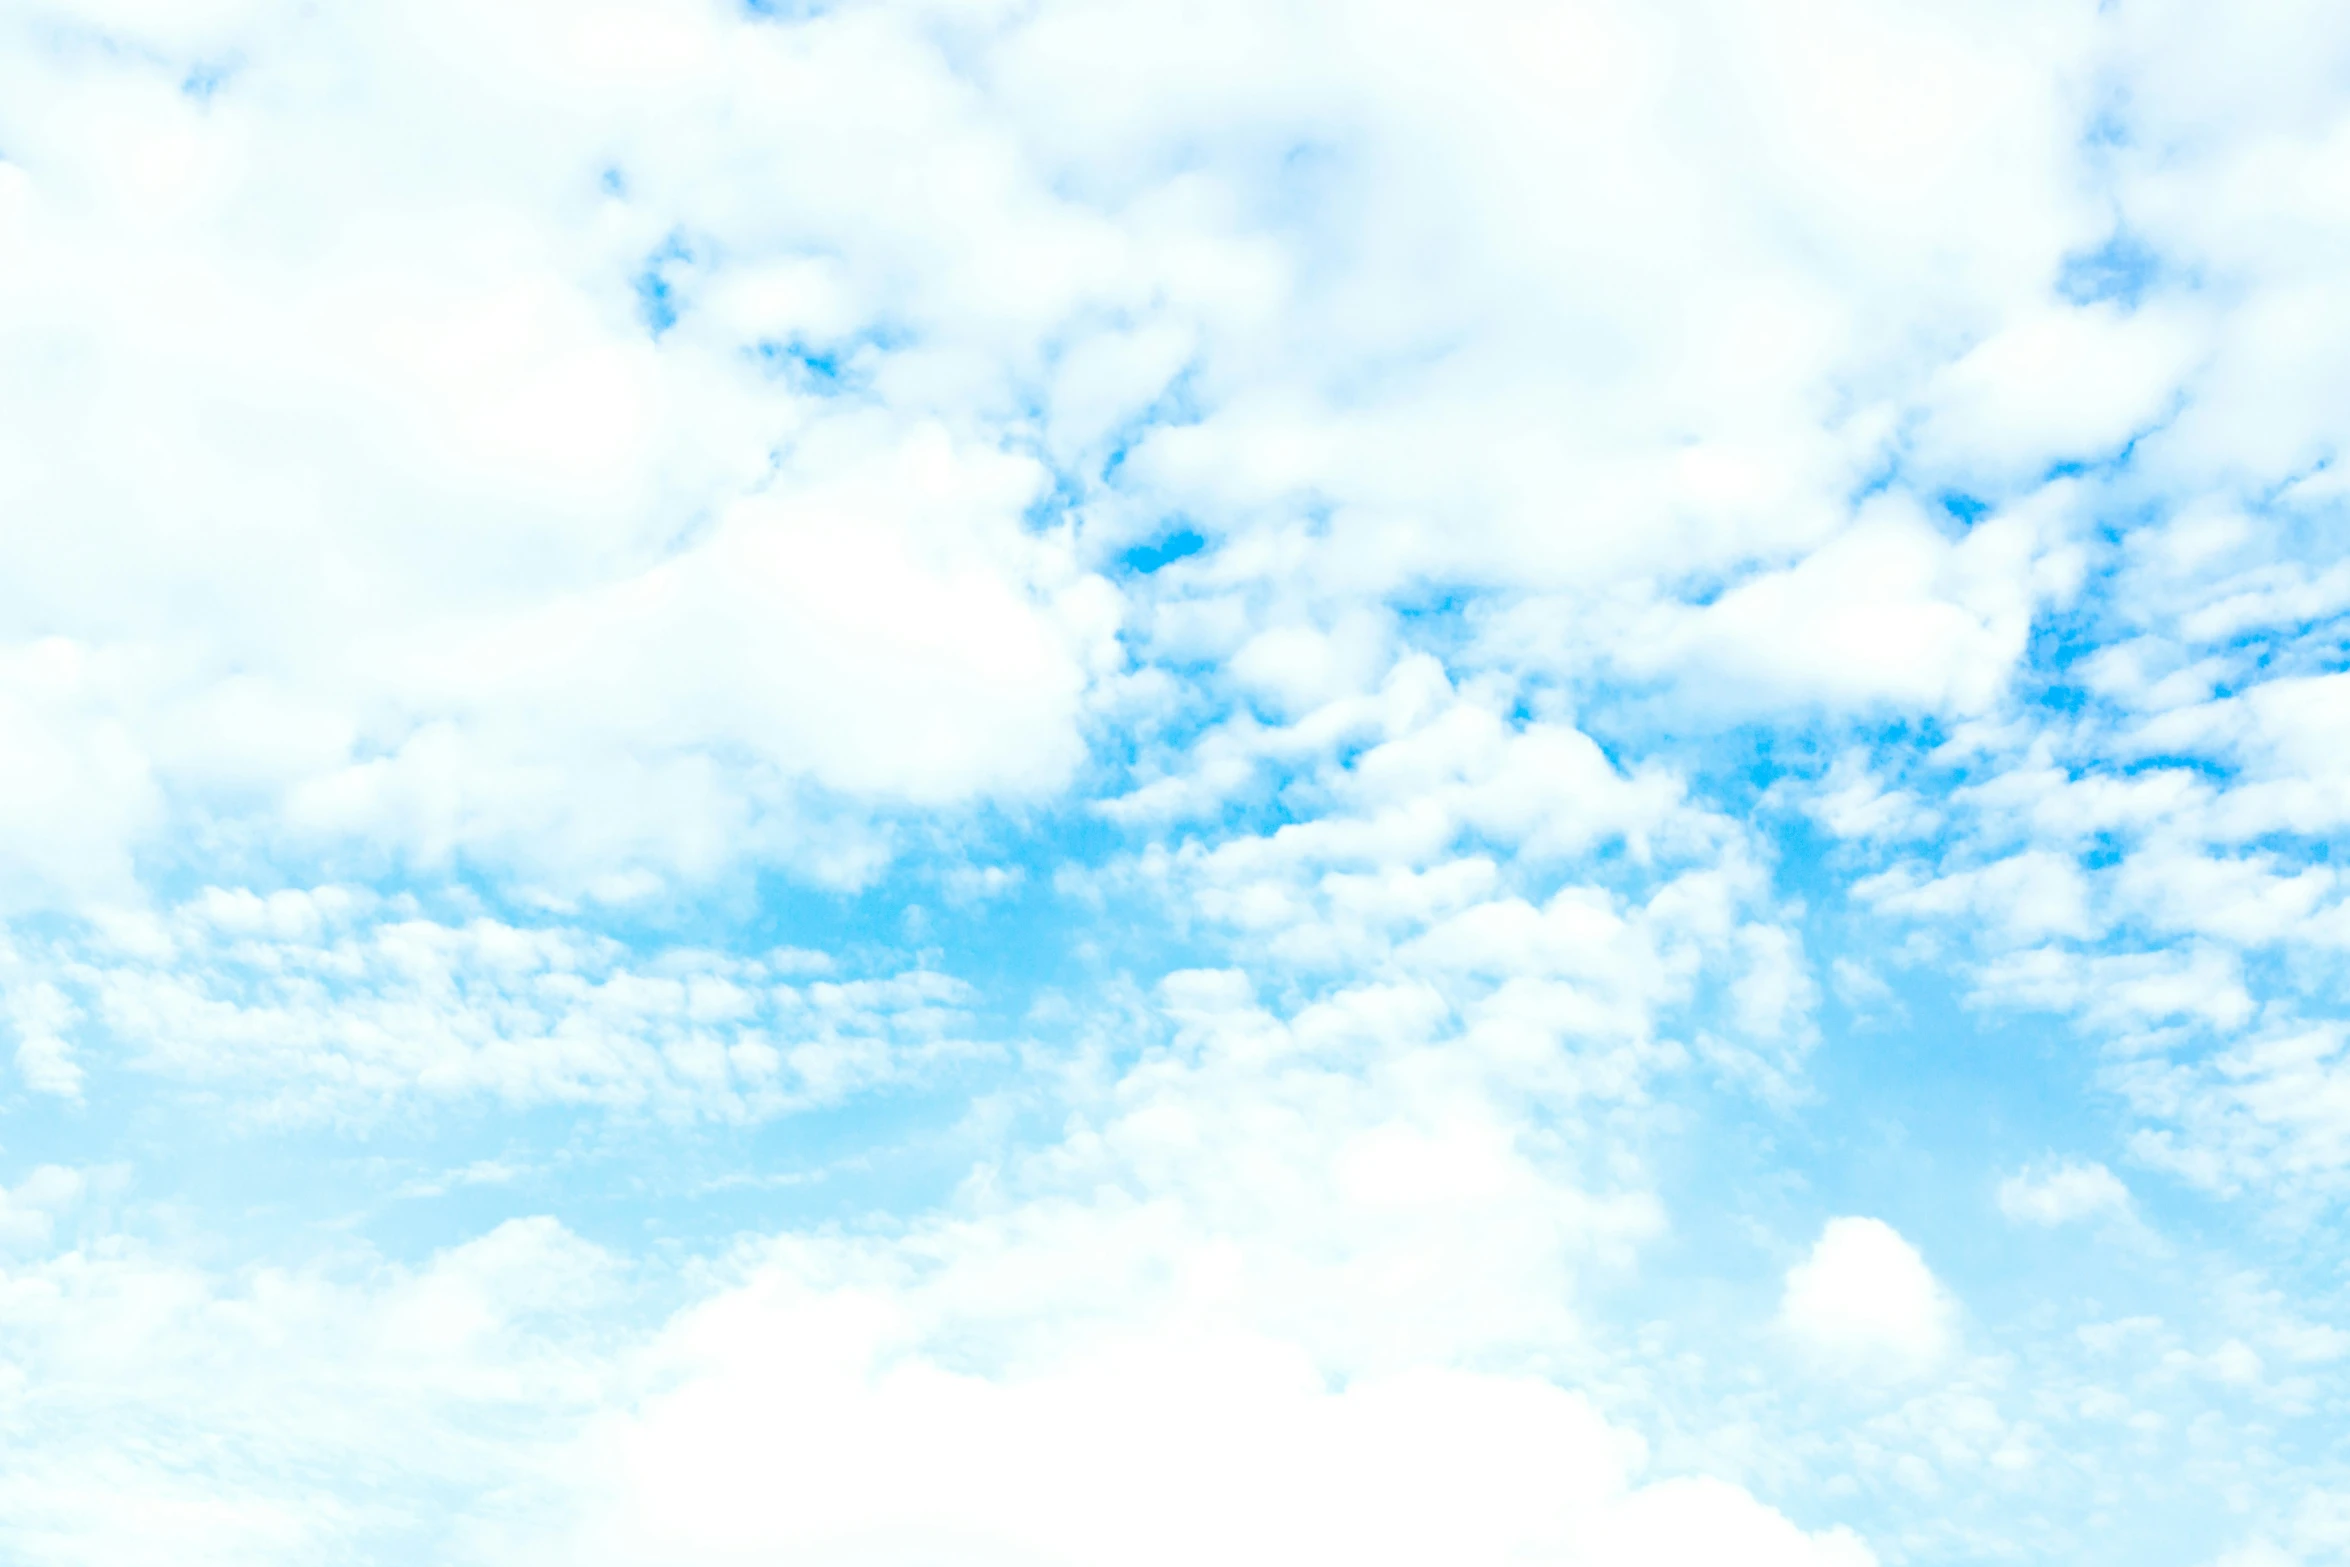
(1424,582)
(337,1003)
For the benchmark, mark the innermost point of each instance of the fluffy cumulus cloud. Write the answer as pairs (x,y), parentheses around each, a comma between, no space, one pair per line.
(1864,1303)
(1231,1449)
(2063,1194)
(1081,782)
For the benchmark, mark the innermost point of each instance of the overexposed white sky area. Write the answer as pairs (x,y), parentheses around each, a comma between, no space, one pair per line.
(1144,783)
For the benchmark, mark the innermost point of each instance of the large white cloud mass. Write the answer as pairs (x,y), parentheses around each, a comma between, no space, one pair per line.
(1086,782)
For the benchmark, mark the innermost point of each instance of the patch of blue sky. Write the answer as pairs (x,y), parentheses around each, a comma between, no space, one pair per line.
(2062,637)
(2120,271)
(1180,542)
(659,283)
(1910,1108)
(828,367)
(1915,1112)
(204,82)
(655,306)
(788,11)
(1967,509)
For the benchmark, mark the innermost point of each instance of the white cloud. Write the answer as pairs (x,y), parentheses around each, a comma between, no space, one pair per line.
(29,1210)
(2026,897)
(815,1408)
(1890,611)
(77,790)
(605,454)
(528,584)
(2056,385)
(795,1435)
(1864,1304)
(41,1016)
(163,1411)
(1852,803)
(499,572)
(2257,1553)
(337,1003)
(2271,1110)
(2063,1193)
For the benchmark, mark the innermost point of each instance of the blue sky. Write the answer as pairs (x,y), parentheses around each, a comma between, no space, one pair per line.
(1089,783)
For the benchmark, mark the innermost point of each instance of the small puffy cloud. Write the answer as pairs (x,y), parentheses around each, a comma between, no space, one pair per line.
(1852,802)
(1296,668)
(1864,1304)
(1889,612)
(29,1210)
(42,1017)
(1861,988)
(2024,897)
(2062,384)
(2063,1193)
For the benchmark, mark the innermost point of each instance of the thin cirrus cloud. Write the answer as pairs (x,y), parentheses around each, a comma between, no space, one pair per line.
(1084,782)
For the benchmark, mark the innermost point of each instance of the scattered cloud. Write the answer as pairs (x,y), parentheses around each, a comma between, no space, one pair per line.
(2063,1193)
(1054,758)
(1864,1304)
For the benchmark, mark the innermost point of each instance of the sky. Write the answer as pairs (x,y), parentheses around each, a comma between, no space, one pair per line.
(1127,783)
